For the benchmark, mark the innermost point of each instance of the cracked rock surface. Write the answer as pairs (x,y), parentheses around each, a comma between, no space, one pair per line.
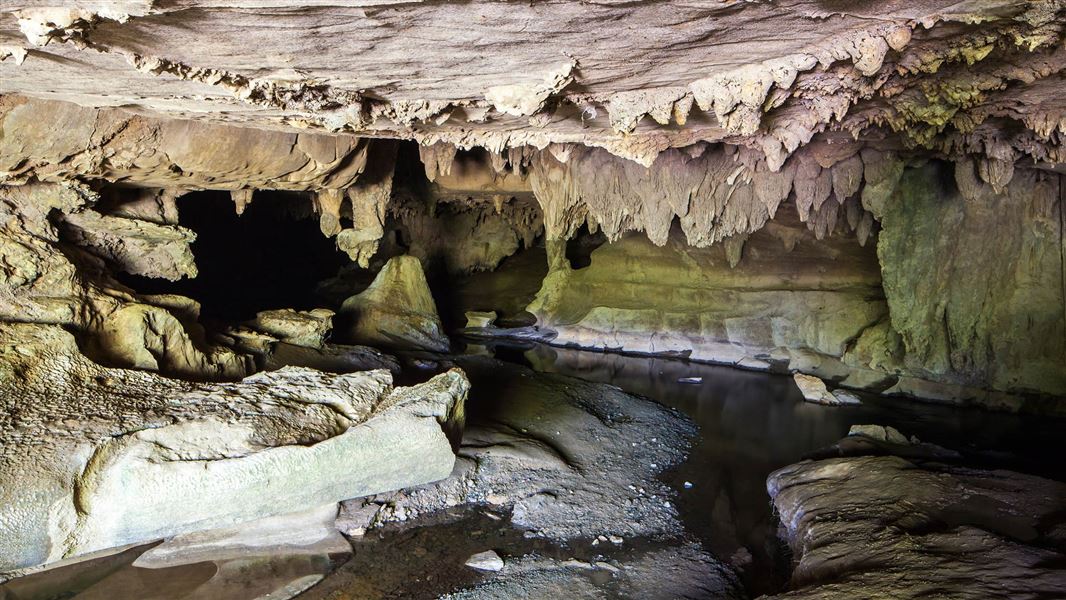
(95,458)
(893,527)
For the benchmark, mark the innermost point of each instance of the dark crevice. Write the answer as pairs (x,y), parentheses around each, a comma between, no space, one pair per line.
(272,256)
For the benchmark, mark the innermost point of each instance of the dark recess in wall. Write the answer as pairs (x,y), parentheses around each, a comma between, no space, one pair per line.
(272,256)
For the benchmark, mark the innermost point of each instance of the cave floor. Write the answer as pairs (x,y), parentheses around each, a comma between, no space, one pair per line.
(750,423)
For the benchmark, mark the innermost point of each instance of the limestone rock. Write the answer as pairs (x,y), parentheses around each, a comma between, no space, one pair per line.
(96,458)
(814,390)
(675,299)
(480,319)
(845,397)
(959,325)
(396,311)
(560,453)
(955,531)
(883,433)
(899,68)
(135,246)
(485,561)
(275,557)
(301,328)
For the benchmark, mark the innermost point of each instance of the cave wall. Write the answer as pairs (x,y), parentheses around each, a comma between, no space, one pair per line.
(961,302)
(974,279)
(52,275)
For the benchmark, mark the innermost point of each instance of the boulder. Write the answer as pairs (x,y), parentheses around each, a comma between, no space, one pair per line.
(814,390)
(276,557)
(301,328)
(396,311)
(96,458)
(881,433)
(845,397)
(480,319)
(890,527)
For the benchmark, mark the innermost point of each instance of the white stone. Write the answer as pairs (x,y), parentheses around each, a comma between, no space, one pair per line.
(814,390)
(485,561)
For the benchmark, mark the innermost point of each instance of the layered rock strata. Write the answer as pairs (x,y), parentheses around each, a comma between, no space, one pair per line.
(893,527)
(96,458)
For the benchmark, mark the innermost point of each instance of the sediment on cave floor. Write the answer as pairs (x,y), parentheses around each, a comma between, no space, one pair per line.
(500,300)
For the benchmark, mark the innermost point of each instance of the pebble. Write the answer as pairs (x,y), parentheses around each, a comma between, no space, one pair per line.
(485,561)
(688,485)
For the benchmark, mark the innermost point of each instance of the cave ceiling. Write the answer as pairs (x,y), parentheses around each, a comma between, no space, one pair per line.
(940,77)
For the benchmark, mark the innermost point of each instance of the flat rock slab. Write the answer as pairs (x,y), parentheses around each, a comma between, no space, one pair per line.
(96,458)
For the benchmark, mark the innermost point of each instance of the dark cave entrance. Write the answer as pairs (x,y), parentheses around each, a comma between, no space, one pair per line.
(272,256)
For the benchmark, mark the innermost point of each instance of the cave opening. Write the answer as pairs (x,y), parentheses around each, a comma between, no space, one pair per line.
(271,256)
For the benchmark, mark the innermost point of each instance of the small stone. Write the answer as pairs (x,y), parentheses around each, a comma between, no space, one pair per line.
(688,485)
(882,433)
(616,540)
(485,561)
(814,390)
(846,397)
(607,567)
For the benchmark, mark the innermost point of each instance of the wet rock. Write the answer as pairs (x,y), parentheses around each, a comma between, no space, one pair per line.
(845,397)
(98,458)
(480,319)
(559,453)
(682,571)
(814,390)
(951,531)
(396,311)
(882,433)
(485,561)
(301,328)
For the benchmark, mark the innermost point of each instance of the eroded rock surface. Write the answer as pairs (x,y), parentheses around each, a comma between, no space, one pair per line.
(396,311)
(96,458)
(915,527)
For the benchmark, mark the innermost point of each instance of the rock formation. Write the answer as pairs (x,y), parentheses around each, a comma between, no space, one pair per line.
(96,458)
(894,527)
(868,196)
(396,311)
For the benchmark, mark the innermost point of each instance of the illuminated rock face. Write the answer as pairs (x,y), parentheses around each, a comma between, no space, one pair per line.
(96,458)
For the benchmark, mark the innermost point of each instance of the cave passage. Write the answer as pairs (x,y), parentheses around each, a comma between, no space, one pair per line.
(271,256)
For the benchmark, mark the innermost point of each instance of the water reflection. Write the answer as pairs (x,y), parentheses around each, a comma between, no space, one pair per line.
(753,423)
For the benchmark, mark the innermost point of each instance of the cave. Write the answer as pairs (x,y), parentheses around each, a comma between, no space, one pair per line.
(477,300)
(270,256)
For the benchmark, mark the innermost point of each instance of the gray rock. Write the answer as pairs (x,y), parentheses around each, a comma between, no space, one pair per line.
(955,532)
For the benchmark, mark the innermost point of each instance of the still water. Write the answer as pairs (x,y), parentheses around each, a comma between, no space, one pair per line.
(752,423)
